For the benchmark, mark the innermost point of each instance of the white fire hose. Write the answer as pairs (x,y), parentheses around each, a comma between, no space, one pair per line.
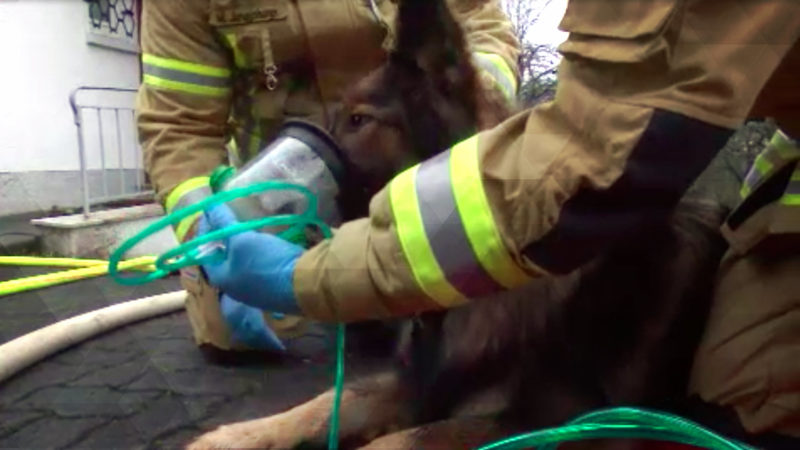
(28,349)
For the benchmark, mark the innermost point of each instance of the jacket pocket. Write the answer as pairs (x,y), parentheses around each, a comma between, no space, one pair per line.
(620,31)
(248,29)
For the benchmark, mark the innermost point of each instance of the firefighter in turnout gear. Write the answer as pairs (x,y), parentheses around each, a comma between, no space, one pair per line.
(648,93)
(220,77)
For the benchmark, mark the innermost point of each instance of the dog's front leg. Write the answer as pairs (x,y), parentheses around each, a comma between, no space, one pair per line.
(368,409)
(456,433)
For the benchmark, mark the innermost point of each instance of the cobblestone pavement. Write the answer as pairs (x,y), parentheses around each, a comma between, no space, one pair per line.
(142,386)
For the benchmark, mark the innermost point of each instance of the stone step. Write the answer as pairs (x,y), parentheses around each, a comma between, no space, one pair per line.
(99,233)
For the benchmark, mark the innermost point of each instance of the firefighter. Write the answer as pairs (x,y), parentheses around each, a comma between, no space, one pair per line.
(227,73)
(749,358)
(648,92)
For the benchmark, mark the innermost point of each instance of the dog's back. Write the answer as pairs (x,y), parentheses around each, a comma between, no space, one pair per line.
(620,330)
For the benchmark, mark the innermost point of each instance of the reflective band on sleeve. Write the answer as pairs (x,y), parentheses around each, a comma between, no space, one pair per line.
(184,76)
(185,225)
(411,232)
(170,85)
(780,152)
(761,168)
(183,66)
(447,230)
(473,206)
(190,191)
(500,72)
(187,193)
(192,197)
(791,196)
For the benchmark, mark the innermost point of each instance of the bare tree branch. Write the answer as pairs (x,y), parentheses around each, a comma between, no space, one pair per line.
(538,62)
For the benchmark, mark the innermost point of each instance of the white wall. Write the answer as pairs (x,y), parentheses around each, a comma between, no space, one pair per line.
(44,57)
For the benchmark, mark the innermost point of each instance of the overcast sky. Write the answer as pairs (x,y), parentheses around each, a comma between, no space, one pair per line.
(546,29)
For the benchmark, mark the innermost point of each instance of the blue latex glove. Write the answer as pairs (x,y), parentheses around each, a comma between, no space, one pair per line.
(258,267)
(248,326)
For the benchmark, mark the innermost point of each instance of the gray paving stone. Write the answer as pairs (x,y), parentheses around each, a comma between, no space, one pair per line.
(201,382)
(161,415)
(152,379)
(51,433)
(76,401)
(115,375)
(134,402)
(116,434)
(12,420)
(37,378)
(200,407)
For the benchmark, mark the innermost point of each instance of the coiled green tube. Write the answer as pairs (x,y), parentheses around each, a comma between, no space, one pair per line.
(621,423)
(186,254)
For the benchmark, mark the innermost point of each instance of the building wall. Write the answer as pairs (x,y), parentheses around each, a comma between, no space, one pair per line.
(46,55)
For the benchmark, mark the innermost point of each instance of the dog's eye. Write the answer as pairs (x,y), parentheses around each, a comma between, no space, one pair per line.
(357,120)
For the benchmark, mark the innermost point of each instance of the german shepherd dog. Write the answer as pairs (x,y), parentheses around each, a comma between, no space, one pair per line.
(621,330)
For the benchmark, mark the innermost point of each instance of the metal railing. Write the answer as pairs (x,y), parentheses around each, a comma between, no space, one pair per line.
(127,190)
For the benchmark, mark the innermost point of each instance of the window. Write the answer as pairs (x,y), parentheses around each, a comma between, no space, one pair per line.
(113,24)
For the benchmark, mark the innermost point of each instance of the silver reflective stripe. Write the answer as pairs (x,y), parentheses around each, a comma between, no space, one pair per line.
(194,196)
(184,77)
(752,178)
(501,78)
(445,230)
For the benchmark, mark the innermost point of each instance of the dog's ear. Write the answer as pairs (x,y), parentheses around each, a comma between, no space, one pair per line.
(429,37)
(434,71)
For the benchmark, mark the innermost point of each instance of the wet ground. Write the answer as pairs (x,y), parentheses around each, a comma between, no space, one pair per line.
(141,386)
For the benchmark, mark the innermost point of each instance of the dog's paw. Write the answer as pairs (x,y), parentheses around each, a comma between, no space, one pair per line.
(244,435)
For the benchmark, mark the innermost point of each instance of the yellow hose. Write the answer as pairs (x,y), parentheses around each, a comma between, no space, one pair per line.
(38,261)
(50,279)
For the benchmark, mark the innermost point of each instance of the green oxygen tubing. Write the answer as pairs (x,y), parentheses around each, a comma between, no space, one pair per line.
(196,252)
(620,423)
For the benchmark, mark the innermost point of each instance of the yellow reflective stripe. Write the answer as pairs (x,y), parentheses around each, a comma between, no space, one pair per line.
(414,241)
(786,148)
(181,86)
(182,189)
(763,165)
(476,215)
(792,195)
(500,72)
(791,200)
(186,224)
(184,66)
(780,151)
(238,56)
(761,168)
(745,190)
